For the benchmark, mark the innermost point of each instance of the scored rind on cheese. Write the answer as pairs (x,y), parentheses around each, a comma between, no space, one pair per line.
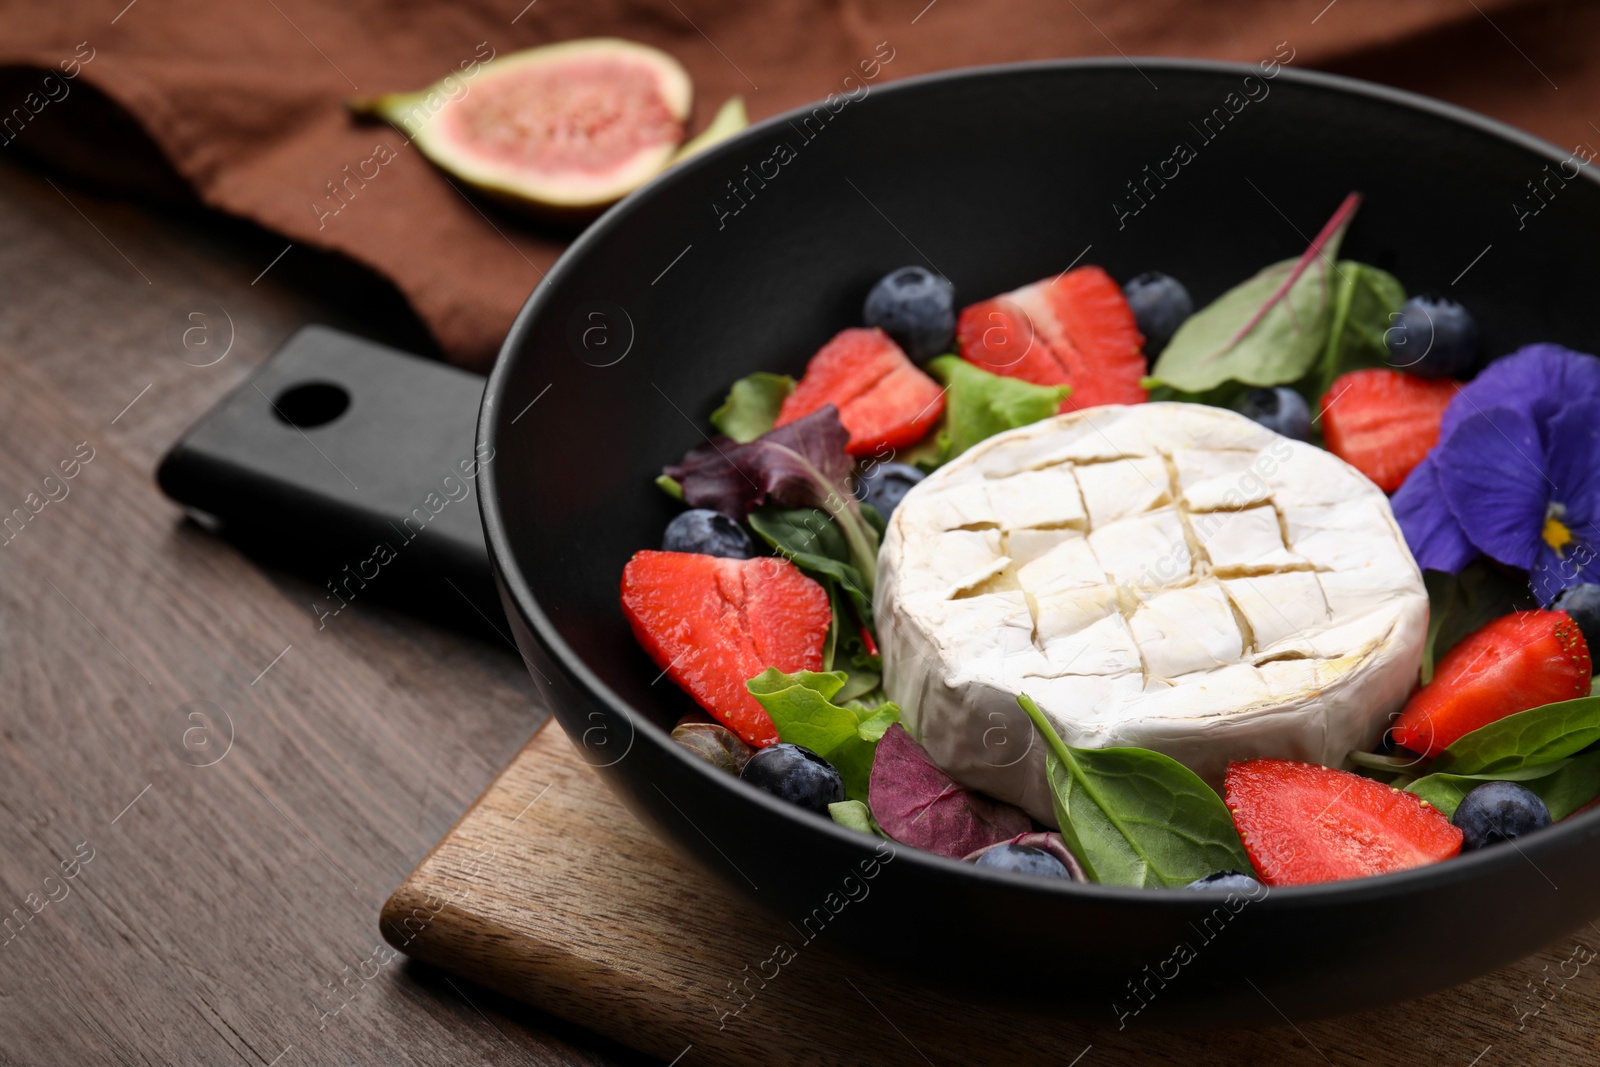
(1164,576)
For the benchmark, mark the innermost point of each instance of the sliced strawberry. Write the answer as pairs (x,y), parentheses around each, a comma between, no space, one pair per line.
(1074,329)
(1517,662)
(713,624)
(1101,347)
(1382,422)
(883,399)
(999,336)
(1301,823)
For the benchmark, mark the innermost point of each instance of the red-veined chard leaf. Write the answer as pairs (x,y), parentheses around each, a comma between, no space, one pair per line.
(1270,330)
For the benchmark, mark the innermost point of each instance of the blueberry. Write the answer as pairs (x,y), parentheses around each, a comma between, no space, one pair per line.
(1022,859)
(1228,881)
(1281,410)
(884,484)
(1160,304)
(1499,811)
(709,533)
(1582,602)
(1433,337)
(795,774)
(917,308)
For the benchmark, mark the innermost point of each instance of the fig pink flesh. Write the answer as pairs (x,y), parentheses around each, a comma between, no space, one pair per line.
(578,116)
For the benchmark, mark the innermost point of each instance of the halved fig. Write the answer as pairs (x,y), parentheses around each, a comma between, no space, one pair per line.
(565,129)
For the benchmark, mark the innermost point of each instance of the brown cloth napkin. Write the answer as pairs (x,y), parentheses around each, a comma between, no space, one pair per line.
(245,97)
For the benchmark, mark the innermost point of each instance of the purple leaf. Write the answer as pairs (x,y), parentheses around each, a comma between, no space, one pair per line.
(918,804)
(1046,842)
(803,464)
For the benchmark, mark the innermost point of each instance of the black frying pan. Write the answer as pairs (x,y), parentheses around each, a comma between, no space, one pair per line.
(741,261)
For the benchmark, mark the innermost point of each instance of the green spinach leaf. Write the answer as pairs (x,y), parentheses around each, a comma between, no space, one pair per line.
(752,405)
(1526,739)
(1364,300)
(1461,603)
(1269,330)
(1565,785)
(810,539)
(803,711)
(1136,817)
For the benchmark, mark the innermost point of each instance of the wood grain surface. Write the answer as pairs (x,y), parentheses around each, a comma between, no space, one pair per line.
(228,910)
(549,891)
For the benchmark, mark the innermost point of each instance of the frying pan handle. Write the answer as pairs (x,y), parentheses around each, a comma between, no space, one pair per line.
(354,464)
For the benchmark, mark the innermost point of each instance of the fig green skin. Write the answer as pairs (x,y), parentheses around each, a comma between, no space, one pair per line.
(560,202)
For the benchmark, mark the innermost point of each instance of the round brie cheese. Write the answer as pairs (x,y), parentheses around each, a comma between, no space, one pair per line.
(1164,576)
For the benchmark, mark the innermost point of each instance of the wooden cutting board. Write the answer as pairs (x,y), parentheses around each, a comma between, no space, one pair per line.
(548,890)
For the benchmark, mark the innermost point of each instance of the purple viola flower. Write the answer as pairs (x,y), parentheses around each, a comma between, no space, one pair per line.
(1538,379)
(1516,475)
(1432,532)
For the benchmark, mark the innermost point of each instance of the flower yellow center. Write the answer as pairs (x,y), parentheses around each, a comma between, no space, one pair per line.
(1556,534)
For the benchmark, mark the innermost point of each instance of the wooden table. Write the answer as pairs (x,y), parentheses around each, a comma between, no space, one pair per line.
(228,907)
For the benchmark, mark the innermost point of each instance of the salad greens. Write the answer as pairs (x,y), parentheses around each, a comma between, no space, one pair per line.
(809,539)
(1136,817)
(1269,330)
(856,815)
(803,711)
(1300,322)
(979,405)
(1565,785)
(1526,739)
(1365,299)
(918,804)
(803,464)
(752,405)
(1553,750)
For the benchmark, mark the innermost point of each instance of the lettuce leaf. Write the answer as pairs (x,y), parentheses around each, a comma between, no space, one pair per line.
(809,539)
(802,709)
(856,815)
(979,405)
(752,405)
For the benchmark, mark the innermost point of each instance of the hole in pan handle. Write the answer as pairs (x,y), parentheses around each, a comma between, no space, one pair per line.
(352,464)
